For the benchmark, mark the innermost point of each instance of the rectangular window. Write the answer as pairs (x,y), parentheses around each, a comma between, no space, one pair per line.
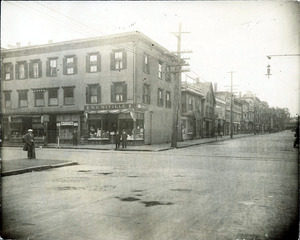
(39,98)
(53,67)
(168,100)
(8,71)
(146,94)
(53,97)
(21,71)
(168,73)
(160,99)
(191,104)
(7,99)
(160,70)
(35,68)
(69,96)
(93,62)
(23,100)
(118,60)
(146,67)
(93,93)
(70,65)
(119,92)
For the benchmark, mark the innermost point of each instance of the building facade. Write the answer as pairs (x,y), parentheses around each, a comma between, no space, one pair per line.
(93,86)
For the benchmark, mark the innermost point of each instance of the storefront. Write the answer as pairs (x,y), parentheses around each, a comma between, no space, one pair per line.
(101,122)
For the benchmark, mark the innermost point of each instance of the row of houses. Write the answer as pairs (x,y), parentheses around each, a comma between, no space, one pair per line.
(123,82)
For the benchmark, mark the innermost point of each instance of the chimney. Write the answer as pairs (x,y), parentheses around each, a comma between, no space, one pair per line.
(50,41)
(215,87)
(18,44)
(240,94)
(29,43)
(197,80)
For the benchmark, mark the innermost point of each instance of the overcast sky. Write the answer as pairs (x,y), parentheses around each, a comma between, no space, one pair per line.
(224,36)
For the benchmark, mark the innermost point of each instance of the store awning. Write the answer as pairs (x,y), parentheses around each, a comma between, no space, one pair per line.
(112,111)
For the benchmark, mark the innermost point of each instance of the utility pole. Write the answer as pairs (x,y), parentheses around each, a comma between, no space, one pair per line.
(177,88)
(231,105)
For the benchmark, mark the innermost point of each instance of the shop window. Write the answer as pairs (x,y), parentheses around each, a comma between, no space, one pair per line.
(39,98)
(68,95)
(35,69)
(93,94)
(7,99)
(119,92)
(160,70)
(23,98)
(146,94)
(70,65)
(146,66)
(118,60)
(160,99)
(93,62)
(21,70)
(8,71)
(168,99)
(51,67)
(53,97)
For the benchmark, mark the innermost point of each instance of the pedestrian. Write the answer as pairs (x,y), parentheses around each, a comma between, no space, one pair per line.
(124,139)
(29,144)
(75,138)
(118,139)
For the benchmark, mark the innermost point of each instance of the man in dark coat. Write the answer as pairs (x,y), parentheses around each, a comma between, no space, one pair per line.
(124,139)
(29,144)
(118,140)
(75,138)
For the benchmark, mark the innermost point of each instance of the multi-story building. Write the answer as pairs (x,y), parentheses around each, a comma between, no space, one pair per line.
(192,104)
(208,109)
(221,115)
(94,86)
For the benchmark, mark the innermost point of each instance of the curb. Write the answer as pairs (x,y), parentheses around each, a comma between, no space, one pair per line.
(37,168)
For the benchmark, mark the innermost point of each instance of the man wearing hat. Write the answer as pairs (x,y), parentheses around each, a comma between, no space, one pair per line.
(29,144)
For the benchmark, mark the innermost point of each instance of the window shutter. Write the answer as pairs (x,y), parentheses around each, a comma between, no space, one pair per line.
(65,66)
(124,55)
(113,93)
(75,64)
(98,62)
(26,69)
(30,70)
(98,93)
(48,68)
(11,69)
(112,61)
(158,97)
(87,95)
(144,65)
(40,69)
(3,72)
(148,65)
(125,92)
(88,64)
(17,71)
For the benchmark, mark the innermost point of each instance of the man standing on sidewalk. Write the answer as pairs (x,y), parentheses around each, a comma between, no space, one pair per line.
(29,144)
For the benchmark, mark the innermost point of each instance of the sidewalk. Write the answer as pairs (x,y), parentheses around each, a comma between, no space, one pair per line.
(148,148)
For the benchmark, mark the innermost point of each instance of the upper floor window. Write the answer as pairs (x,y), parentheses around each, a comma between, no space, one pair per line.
(7,99)
(93,62)
(53,96)
(146,94)
(118,60)
(68,95)
(160,99)
(119,92)
(168,73)
(51,67)
(23,98)
(191,104)
(8,71)
(160,70)
(93,93)
(39,100)
(168,99)
(146,66)
(70,65)
(21,70)
(35,69)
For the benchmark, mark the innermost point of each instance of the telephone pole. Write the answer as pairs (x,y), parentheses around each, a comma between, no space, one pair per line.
(231,105)
(177,88)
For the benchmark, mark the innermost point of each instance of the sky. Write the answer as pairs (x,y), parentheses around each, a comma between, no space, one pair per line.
(223,36)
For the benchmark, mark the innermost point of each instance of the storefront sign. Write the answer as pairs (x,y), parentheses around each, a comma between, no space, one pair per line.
(67,124)
(108,106)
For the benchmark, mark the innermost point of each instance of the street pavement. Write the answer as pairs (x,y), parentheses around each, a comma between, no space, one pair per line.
(245,188)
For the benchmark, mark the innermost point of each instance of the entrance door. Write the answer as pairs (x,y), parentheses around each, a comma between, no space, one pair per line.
(26,124)
(51,131)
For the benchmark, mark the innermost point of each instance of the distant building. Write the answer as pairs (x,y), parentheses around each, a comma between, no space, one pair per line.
(95,86)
